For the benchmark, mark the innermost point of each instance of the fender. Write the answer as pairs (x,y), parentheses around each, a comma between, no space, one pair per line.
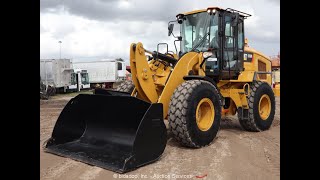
(205,78)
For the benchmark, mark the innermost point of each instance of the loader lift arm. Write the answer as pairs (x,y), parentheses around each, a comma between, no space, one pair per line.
(143,76)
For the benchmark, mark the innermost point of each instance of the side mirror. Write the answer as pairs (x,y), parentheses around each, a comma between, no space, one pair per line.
(235,19)
(170,29)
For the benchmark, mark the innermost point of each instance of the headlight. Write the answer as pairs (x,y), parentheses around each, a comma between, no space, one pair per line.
(207,54)
(211,11)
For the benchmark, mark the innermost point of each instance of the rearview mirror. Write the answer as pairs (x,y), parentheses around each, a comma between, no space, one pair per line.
(170,29)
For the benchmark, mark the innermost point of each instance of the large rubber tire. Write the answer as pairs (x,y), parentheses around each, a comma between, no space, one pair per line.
(126,86)
(182,113)
(254,122)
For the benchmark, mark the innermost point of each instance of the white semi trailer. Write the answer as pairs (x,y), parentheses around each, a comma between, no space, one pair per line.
(56,73)
(103,73)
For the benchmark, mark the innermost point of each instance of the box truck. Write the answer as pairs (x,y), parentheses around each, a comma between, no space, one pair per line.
(103,73)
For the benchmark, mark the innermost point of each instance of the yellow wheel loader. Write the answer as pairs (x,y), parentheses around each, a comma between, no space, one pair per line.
(214,74)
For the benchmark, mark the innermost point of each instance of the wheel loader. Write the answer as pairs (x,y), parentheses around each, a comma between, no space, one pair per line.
(214,74)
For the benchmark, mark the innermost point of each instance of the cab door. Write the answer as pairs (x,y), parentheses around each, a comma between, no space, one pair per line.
(232,46)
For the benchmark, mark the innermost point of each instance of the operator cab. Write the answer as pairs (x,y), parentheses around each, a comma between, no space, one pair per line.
(219,35)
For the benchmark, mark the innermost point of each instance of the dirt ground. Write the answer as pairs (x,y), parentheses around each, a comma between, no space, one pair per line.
(235,154)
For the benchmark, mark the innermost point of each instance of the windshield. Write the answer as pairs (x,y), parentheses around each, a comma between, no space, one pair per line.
(194,32)
(84,78)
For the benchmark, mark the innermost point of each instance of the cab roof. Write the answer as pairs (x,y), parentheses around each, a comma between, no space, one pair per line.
(201,10)
(218,8)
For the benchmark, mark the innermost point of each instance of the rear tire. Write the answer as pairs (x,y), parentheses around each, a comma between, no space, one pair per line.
(182,117)
(126,86)
(258,120)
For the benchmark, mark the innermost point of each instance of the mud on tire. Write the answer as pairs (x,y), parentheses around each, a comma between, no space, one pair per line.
(253,120)
(182,113)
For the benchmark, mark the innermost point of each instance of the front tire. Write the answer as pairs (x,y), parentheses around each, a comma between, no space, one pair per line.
(195,113)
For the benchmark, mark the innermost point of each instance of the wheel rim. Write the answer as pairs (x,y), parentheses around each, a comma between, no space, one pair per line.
(264,107)
(205,114)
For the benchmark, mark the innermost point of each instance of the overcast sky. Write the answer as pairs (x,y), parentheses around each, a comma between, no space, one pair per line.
(99,29)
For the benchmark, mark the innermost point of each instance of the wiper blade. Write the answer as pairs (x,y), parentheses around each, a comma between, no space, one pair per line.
(200,42)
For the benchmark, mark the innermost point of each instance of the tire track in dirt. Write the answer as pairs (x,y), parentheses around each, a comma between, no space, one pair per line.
(57,102)
(91,173)
(177,160)
(49,113)
(58,170)
(271,147)
(266,148)
(46,127)
(222,148)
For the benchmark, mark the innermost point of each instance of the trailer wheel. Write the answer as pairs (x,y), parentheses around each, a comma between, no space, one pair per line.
(126,86)
(51,91)
(195,113)
(262,107)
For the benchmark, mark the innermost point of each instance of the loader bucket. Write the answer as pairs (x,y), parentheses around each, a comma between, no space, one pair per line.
(111,130)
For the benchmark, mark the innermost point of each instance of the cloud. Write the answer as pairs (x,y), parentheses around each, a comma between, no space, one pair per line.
(275,1)
(105,28)
(113,10)
(96,39)
(60,25)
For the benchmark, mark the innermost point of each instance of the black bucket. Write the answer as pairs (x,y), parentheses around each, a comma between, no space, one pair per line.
(111,130)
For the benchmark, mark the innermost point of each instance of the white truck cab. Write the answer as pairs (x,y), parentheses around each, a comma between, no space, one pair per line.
(121,70)
(81,77)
